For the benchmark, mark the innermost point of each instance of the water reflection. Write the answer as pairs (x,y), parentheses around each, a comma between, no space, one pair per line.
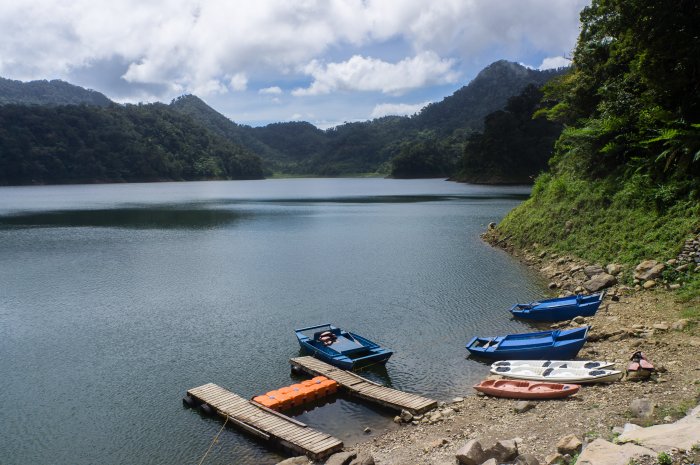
(128,218)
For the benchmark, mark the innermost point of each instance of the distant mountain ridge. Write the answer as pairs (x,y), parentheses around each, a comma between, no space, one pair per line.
(55,92)
(487,92)
(369,146)
(427,144)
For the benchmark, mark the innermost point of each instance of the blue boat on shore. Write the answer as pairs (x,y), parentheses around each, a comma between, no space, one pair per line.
(341,348)
(559,309)
(543,345)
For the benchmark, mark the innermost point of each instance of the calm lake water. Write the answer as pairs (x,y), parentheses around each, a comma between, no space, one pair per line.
(116,299)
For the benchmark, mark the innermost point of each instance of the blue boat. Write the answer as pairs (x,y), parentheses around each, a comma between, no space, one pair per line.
(341,348)
(562,308)
(544,345)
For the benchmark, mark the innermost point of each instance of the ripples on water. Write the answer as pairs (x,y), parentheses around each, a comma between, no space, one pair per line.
(116,299)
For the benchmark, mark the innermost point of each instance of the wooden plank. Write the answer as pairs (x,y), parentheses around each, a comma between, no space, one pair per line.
(265,423)
(364,388)
(250,429)
(276,413)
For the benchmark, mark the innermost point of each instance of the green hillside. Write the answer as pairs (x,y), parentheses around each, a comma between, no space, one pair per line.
(54,92)
(84,144)
(625,178)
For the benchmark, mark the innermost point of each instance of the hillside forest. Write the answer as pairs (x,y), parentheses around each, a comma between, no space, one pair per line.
(54,132)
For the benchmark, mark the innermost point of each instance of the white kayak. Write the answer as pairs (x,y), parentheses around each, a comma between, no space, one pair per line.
(588,364)
(559,375)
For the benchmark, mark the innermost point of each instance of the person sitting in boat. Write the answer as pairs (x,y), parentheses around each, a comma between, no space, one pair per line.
(327,338)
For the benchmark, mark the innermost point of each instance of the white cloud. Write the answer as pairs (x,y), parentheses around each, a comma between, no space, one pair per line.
(554,62)
(131,49)
(400,109)
(296,116)
(274,90)
(370,74)
(239,82)
(188,43)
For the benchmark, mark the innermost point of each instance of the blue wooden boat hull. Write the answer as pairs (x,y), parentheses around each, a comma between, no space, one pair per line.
(350,351)
(544,345)
(560,309)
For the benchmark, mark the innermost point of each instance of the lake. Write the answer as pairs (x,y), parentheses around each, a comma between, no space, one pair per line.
(115,299)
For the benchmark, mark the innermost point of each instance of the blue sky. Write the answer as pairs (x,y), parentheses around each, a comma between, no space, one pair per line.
(322,61)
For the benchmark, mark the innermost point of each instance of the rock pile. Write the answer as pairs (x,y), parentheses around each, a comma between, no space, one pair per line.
(690,254)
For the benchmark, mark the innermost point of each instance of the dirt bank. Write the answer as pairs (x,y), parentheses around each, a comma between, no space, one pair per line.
(629,320)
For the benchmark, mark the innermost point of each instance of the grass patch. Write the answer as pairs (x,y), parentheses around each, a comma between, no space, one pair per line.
(605,221)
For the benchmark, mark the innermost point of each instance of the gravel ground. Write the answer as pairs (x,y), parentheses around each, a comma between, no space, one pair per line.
(627,321)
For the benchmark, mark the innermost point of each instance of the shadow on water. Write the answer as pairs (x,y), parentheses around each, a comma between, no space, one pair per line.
(128,218)
(369,199)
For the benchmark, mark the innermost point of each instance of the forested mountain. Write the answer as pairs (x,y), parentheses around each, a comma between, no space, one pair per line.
(54,92)
(80,143)
(464,111)
(189,140)
(205,115)
(514,147)
(624,184)
(370,146)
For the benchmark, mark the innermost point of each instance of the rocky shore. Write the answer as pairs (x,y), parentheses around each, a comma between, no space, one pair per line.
(602,424)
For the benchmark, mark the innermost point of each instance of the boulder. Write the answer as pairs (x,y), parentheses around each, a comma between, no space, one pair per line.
(614,269)
(554,459)
(569,445)
(602,452)
(526,459)
(471,453)
(503,451)
(491,461)
(649,284)
(363,458)
(600,281)
(406,416)
(680,324)
(523,406)
(681,435)
(642,408)
(341,458)
(301,460)
(592,270)
(648,269)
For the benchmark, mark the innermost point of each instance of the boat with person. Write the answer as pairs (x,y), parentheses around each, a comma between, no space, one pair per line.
(559,375)
(543,345)
(341,348)
(515,389)
(559,309)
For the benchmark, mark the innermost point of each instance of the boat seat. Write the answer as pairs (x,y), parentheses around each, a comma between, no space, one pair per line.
(346,346)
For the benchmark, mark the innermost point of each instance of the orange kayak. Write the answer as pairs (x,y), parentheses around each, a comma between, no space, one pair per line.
(515,389)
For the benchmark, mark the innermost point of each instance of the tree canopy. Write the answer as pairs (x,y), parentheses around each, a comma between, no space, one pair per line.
(80,143)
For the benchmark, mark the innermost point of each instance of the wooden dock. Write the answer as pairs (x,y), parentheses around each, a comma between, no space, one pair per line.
(358,386)
(267,424)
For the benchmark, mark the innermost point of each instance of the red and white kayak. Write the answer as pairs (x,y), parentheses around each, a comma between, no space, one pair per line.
(514,389)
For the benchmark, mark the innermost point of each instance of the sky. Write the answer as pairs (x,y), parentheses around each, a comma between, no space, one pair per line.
(263,61)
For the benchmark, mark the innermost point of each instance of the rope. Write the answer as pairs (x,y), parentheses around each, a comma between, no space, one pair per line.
(213,441)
